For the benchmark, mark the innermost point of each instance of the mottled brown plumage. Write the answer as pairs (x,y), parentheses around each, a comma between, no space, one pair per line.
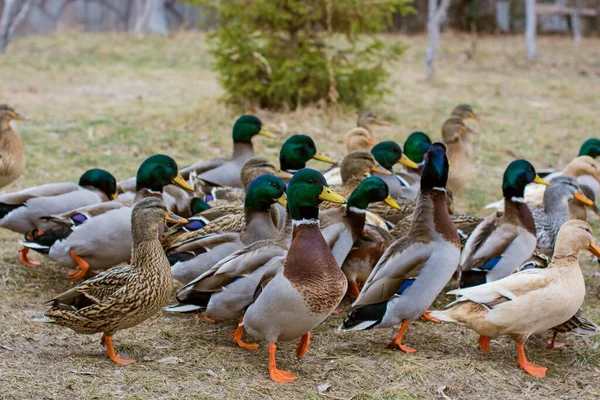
(12,151)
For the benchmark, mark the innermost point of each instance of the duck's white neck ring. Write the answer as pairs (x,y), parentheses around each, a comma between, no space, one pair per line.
(298,222)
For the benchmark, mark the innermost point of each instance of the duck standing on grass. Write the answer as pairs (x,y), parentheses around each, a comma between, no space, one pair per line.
(310,285)
(530,301)
(12,152)
(414,269)
(123,296)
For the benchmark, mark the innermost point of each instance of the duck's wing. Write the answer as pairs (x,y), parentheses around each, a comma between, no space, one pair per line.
(336,233)
(396,264)
(48,190)
(489,240)
(202,166)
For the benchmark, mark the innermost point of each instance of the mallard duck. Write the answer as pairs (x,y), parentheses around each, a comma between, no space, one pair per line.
(341,227)
(296,151)
(503,240)
(12,152)
(555,211)
(259,224)
(302,294)
(414,269)
(453,131)
(579,209)
(528,302)
(464,111)
(124,296)
(387,154)
(86,247)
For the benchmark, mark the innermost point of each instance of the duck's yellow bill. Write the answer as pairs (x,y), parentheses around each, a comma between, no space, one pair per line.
(322,157)
(114,196)
(381,122)
(175,219)
(593,247)
(180,182)
(283,200)
(583,198)
(266,133)
(538,179)
(390,202)
(408,162)
(283,174)
(380,170)
(328,194)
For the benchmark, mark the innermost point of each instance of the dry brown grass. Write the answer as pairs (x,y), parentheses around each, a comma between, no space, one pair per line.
(112,100)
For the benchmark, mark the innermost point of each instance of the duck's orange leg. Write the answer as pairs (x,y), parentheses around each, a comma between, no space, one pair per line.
(427,317)
(82,267)
(107,341)
(484,343)
(237,337)
(25,260)
(206,319)
(352,291)
(553,344)
(303,345)
(528,366)
(396,342)
(278,375)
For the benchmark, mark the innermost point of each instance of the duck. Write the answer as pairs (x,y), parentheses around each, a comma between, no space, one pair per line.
(413,270)
(465,112)
(364,124)
(387,154)
(296,151)
(210,248)
(22,211)
(84,249)
(579,209)
(453,132)
(310,284)
(555,211)
(502,241)
(528,302)
(12,151)
(577,168)
(124,296)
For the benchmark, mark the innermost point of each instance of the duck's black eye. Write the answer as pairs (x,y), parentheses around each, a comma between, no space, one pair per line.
(310,181)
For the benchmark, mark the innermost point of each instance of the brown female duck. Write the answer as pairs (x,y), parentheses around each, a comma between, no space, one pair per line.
(12,152)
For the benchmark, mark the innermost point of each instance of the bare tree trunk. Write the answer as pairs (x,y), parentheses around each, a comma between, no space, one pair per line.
(576,22)
(436,16)
(530,28)
(12,16)
(151,17)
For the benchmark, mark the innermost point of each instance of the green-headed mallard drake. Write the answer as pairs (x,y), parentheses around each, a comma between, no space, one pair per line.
(529,302)
(453,131)
(414,269)
(124,296)
(209,249)
(387,154)
(12,151)
(503,241)
(86,247)
(296,151)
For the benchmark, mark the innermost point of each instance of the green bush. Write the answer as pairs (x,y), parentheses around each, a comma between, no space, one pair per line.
(287,53)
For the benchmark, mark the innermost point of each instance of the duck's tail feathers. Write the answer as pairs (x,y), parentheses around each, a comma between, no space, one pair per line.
(42,318)
(184,308)
(442,315)
(42,249)
(364,318)
(7,208)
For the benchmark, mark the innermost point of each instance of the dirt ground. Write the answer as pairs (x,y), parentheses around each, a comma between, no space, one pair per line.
(111,100)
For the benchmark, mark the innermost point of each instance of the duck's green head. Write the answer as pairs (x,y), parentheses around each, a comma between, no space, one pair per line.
(101,180)
(264,191)
(389,153)
(297,150)
(248,126)
(517,175)
(435,169)
(416,146)
(464,111)
(159,171)
(590,147)
(371,190)
(197,205)
(306,190)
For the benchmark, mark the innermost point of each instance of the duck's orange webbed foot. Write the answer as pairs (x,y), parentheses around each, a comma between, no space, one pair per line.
(278,375)
(427,317)
(484,343)
(352,291)
(303,345)
(25,260)
(553,344)
(107,341)
(204,318)
(529,367)
(81,270)
(396,342)
(237,338)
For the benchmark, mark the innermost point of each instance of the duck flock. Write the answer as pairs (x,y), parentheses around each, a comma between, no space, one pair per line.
(278,247)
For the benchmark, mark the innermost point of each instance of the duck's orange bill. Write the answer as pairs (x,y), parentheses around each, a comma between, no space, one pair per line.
(474,116)
(175,219)
(381,122)
(583,198)
(283,175)
(380,170)
(371,141)
(593,247)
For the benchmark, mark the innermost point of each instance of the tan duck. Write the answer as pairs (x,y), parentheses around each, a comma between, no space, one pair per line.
(86,247)
(12,152)
(124,296)
(453,131)
(414,269)
(528,302)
